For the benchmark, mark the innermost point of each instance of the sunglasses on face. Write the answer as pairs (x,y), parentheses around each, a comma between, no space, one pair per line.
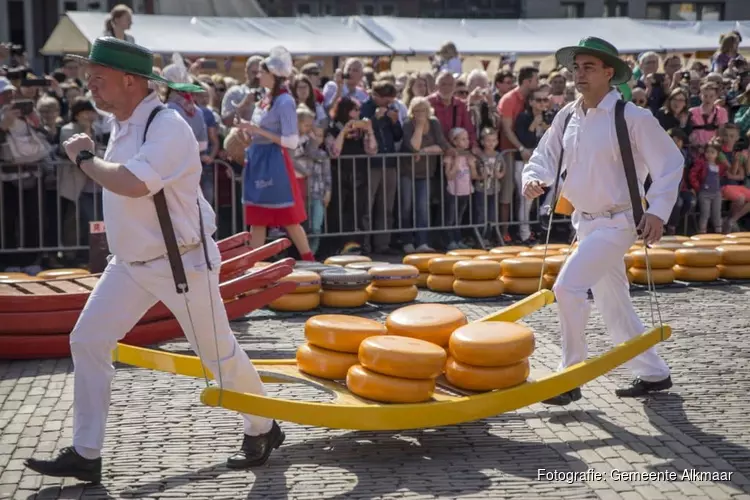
(461,92)
(541,99)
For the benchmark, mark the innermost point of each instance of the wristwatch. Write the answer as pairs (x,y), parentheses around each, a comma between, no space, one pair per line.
(83,156)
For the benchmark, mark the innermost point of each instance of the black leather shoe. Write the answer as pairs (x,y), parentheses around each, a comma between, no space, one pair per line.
(69,464)
(640,388)
(255,450)
(565,398)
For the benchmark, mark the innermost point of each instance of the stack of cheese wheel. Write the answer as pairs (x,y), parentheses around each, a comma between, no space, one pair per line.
(343,260)
(539,254)
(696,264)
(508,250)
(305,297)
(441,273)
(740,235)
(396,369)
(734,262)
(494,257)
(333,343)
(344,287)
(365,266)
(552,248)
(490,355)
(467,252)
(552,266)
(16,277)
(628,264)
(477,278)
(420,261)
(708,240)
(735,241)
(668,245)
(52,274)
(678,238)
(661,261)
(521,275)
(430,322)
(393,284)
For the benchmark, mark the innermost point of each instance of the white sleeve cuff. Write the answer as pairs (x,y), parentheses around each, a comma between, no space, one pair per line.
(147,175)
(290,141)
(202,145)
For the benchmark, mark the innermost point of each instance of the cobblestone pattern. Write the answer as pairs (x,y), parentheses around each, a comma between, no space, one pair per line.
(161,443)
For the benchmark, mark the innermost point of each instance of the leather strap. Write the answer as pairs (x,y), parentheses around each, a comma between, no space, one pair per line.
(559,177)
(626,152)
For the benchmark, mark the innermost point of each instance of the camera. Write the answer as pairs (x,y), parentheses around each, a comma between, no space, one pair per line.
(16,50)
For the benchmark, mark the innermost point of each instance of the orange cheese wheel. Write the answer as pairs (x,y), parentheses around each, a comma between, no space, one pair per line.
(307,281)
(566,251)
(509,250)
(738,235)
(702,243)
(688,273)
(478,289)
(392,294)
(385,389)
(477,270)
(669,245)
(522,267)
(539,254)
(403,357)
(675,237)
(62,273)
(697,257)
(628,261)
(422,280)
(734,272)
(343,298)
(343,260)
(467,252)
(420,260)
(442,283)
(14,276)
(659,276)
(708,236)
(484,378)
(492,343)
(658,257)
(365,266)
(554,263)
(494,257)
(341,332)
(296,302)
(523,286)
(736,241)
(431,322)
(551,247)
(731,255)
(444,264)
(549,280)
(390,275)
(635,248)
(324,363)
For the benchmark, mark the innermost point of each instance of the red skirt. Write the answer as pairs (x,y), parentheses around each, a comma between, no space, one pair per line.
(280,217)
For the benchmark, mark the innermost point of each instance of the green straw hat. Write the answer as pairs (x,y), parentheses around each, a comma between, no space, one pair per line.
(600,49)
(130,58)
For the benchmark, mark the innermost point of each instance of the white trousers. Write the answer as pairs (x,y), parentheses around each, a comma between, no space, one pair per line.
(524,204)
(598,264)
(121,297)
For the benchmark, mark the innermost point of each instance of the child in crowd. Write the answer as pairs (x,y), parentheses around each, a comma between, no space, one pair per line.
(705,178)
(491,169)
(460,171)
(686,200)
(733,188)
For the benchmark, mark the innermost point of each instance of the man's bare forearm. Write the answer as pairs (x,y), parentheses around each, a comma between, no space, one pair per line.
(114,177)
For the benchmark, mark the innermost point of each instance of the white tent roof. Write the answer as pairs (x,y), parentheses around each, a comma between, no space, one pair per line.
(222,36)
(224,8)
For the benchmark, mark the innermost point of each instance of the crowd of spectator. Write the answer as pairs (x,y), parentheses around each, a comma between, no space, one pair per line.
(384,157)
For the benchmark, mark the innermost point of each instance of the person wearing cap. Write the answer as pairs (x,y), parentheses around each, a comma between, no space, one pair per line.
(596,186)
(136,166)
(272,196)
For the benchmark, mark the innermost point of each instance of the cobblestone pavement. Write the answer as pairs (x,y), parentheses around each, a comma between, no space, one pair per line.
(161,443)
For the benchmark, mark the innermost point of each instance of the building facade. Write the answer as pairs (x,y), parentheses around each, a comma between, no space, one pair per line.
(667,10)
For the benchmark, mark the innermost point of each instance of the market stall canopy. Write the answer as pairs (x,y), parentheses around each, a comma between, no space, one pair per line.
(222,36)
(223,8)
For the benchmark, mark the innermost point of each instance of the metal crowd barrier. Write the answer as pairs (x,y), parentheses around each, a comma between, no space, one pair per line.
(372,197)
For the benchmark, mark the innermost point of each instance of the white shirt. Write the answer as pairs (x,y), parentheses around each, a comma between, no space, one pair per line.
(595,179)
(169,159)
(330,88)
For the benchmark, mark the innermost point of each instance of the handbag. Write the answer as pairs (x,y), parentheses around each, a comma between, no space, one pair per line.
(22,147)
(267,183)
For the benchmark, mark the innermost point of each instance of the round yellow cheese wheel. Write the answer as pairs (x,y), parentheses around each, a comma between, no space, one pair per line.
(324,363)
(697,257)
(494,257)
(551,247)
(477,270)
(403,357)
(385,389)
(52,274)
(708,236)
(701,243)
(554,263)
(509,250)
(343,260)
(431,322)
(442,283)
(444,264)
(635,248)
(522,267)
(659,276)
(391,294)
(392,275)
(629,261)
(422,280)
(307,281)
(549,280)
(566,251)
(262,264)
(687,273)
(744,234)
(296,302)
(14,276)
(675,237)
(539,254)
(420,260)
(734,254)
(491,343)
(734,272)
(478,289)
(659,258)
(629,275)
(467,252)
(669,245)
(343,298)
(523,286)
(341,332)
(365,266)
(736,241)
(484,378)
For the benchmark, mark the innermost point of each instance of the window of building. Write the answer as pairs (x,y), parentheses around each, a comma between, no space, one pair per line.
(328,9)
(474,9)
(621,9)
(388,9)
(303,9)
(572,9)
(367,9)
(685,11)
